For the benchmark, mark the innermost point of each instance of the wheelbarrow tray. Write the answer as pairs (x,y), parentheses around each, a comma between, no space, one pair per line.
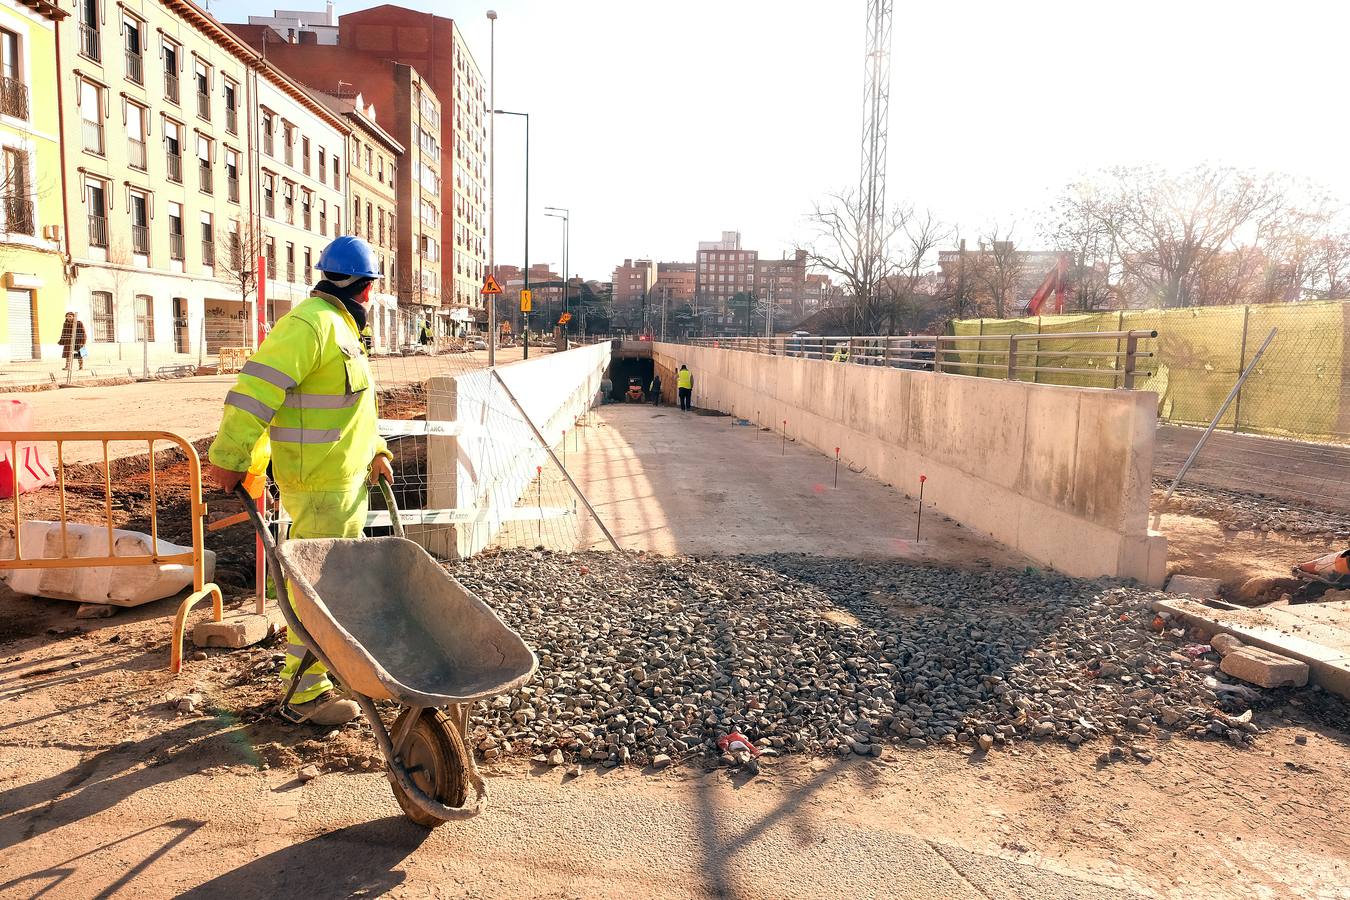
(395,625)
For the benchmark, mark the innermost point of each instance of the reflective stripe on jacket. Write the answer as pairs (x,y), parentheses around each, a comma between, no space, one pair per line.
(309,390)
(686,379)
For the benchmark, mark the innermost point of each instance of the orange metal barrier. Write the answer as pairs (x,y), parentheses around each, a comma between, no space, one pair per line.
(232,359)
(197,515)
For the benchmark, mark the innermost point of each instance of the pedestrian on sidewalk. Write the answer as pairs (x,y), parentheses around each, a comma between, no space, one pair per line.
(655,390)
(73,340)
(308,392)
(686,387)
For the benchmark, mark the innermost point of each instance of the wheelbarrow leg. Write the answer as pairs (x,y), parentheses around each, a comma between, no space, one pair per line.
(287,712)
(459,714)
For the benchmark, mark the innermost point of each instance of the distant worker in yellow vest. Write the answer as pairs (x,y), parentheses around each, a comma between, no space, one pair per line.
(308,390)
(685,383)
(840,353)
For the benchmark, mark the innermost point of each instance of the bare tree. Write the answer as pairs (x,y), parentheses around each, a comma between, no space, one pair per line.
(1000,269)
(1077,226)
(840,246)
(237,265)
(920,235)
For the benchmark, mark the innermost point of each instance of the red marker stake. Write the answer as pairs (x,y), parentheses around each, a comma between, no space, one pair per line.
(539,497)
(836,467)
(783,452)
(919,527)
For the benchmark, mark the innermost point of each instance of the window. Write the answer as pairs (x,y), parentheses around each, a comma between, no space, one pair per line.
(322,161)
(208,240)
(290,262)
(304,155)
(288,142)
(105,322)
(145,318)
(380,167)
(202,79)
(136,118)
(323,218)
(13,88)
(18,201)
(309,261)
(133,43)
(91,116)
(232,174)
(369,221)
(269,194)
(356,213)
(96,204)
(90,17)
(236,251)
(337,178)
(288,200)
(370,161)
(175,230)
(231,107)
(337,221)
(172,66)
(140,223)
(268,125)
(205,180)
(306,208)
(381,231)
(271,258)
(173,150)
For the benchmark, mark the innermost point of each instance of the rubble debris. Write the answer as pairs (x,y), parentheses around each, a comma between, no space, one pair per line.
(95,611)
(1264,669)
(1194,586)
(235,631)
(1224,644)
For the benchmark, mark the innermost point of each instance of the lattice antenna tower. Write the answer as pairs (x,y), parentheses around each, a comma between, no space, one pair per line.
(876,107)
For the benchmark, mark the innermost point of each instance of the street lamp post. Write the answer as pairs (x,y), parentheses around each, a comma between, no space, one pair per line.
(564,214)
(525,315)
(492,186)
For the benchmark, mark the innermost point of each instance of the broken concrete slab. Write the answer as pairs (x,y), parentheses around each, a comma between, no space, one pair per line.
(1194,586)
(1225,644)
(1315,633)
(95,611)
(1264,669)
(236,631)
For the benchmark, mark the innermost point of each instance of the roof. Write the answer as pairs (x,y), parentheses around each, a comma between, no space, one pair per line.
(44,8)
(347,108)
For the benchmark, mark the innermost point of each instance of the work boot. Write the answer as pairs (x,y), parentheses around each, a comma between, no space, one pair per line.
(326,709)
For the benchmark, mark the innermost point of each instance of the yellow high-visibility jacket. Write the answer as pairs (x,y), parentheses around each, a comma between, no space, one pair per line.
(309,391)
(686,379)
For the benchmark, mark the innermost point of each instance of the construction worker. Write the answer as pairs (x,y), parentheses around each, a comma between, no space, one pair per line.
(425,336)
(840,353)
(309,391)
(685,383)
(654,392)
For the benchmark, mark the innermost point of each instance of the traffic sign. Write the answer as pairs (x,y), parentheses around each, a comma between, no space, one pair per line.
(526,298)
(490,286)
(564,318)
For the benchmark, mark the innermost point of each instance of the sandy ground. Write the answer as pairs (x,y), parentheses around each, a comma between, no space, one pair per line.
(106,790)
(682,483)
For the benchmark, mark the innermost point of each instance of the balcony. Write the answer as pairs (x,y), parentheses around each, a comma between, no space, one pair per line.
(140,239)
(269,147)
(175,245)
(204,106)
(18,215)
(135,68)
(136,154)
(13,98)
(204,178)
(175,168)
(232,184)
(290,271)
(290,213)
(231,120)
(209,253)
(272,266)
(89,43)
(307,218)
(93,136)
(304,164)
(323,223)
(171,86)
(270,206)
(290,153)
(98,231)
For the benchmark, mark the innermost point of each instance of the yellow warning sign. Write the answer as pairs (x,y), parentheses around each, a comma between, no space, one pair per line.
(526,299)
(490,286)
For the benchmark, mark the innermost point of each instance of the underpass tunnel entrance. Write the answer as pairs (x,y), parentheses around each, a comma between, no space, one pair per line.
(622,369)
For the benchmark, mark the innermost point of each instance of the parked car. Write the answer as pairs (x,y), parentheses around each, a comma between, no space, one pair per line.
(477,344)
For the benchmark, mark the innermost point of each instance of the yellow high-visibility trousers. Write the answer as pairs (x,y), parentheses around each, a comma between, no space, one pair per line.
(318,514)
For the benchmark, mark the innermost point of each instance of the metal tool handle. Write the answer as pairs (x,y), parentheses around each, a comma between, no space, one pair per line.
(387,491)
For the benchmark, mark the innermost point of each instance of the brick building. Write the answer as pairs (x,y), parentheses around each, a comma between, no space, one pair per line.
(675,283)
(784,282)
(724,270)
(633,282)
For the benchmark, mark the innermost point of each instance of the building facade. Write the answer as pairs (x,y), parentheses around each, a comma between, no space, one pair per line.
(783,283)
(724,271)
(32,234)
(302,187)
(633,283)
(155,110)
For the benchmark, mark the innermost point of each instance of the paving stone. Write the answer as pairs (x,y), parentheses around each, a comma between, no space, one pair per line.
(1264,669)
(236,631)
(1194,586)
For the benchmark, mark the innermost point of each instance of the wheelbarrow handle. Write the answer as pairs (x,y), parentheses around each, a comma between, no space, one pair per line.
(265,535)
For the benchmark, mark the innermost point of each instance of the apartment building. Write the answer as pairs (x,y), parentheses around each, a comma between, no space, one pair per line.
(411,112)
(675,283)
(31,190)
(302,192)
(156,128)
(782,281)
(372,189)
(724,270)
(633,282)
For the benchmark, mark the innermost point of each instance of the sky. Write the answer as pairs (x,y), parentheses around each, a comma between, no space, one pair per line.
(662,124)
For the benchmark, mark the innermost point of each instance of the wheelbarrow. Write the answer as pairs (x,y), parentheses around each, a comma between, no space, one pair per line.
(390,623)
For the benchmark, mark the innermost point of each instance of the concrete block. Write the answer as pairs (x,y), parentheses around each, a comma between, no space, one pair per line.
(1264,669)
(1225,644)
(1194,586)
(236,631)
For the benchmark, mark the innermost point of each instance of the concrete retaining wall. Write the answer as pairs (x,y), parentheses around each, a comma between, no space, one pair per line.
(1062,474)
(489,459)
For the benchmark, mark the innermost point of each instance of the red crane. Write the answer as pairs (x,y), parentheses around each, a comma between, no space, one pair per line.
(1056,282)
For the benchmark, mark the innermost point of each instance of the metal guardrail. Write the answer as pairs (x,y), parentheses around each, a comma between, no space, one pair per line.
(1006,354)
(193,557)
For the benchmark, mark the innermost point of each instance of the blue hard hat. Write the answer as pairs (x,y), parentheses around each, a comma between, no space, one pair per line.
(349,255)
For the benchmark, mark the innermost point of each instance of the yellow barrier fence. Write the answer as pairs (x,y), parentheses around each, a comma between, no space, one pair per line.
(193,557)
(1297,390)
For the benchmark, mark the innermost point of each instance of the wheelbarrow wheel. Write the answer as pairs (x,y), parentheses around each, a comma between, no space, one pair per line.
(435,757)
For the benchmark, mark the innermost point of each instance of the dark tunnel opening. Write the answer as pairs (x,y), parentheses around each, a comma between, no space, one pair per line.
(625,368)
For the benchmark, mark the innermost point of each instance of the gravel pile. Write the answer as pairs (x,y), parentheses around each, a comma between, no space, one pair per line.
(648,659)
(1239,511)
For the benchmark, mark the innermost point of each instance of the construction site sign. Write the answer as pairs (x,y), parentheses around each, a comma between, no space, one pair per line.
(490,286)
(526,299)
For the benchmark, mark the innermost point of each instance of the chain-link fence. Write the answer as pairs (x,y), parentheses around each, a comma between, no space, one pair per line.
(1297,388)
